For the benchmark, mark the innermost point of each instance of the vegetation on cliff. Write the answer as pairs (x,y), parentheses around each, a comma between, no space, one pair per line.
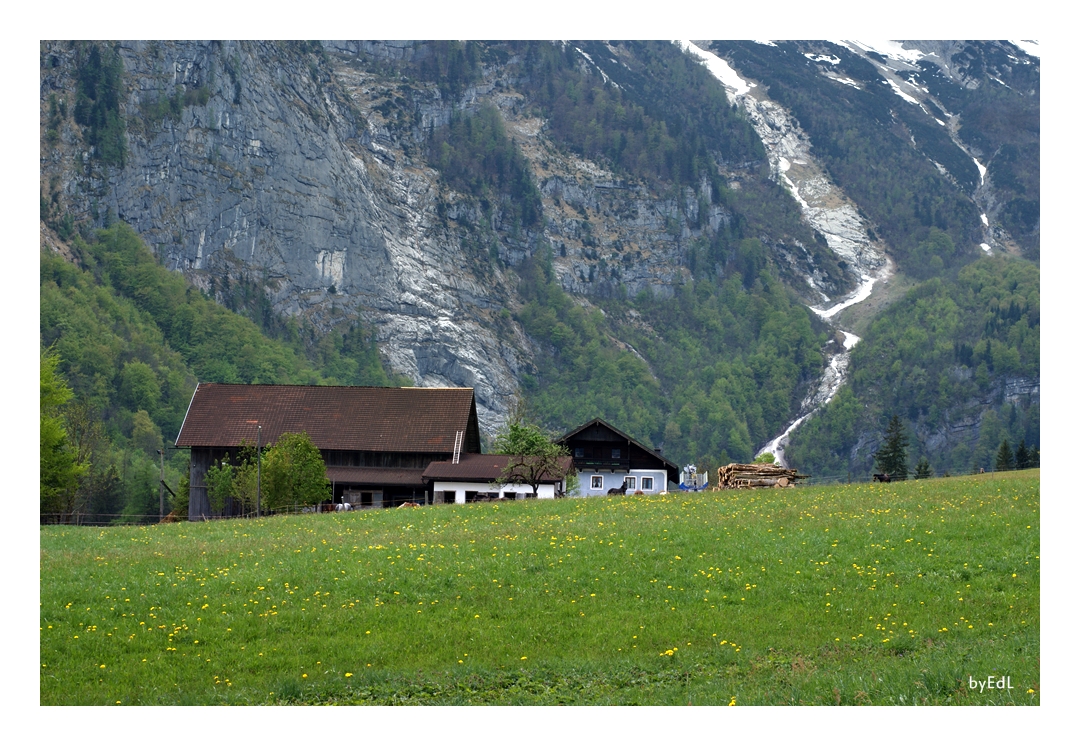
(708,374)
(940,359)
(132,339)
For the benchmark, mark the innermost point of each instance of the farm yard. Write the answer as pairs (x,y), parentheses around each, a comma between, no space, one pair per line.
(898,593)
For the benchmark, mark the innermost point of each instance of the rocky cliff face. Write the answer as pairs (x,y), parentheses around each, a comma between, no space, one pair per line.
(305,167)
(277,173)
(300,166)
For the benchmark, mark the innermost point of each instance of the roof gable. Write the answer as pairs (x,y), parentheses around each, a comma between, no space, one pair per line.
(600,431)
(356,418)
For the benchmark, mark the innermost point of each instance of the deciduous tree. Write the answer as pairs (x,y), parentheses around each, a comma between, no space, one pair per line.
(59,465)
(533,456)
(293,473)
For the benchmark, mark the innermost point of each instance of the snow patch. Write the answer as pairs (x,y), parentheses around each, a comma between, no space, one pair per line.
(763,42)
(891,49)
(985,221)
(861,293)
(815,400)
(720,69)
(848,81)
(982,170)
(1028,46)
(986,247)
(900,93)
(850,340)
(822,58)
(602,73)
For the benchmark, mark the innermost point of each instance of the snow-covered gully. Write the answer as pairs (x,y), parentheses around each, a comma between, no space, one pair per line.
(825,207)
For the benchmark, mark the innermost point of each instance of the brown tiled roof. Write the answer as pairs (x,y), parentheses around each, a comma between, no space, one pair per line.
(375,476)
(357,418)
(475,467)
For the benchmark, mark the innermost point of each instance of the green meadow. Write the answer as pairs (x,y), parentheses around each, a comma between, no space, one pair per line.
(843,594)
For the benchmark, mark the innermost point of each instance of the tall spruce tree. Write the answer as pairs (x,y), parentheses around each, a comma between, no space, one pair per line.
(1023,457)
(891,458)
(1004,460)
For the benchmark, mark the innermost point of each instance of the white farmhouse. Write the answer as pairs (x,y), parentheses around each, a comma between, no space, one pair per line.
(607,458)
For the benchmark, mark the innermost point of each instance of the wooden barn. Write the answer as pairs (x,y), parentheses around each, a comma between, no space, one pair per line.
(607,458)
(376,442)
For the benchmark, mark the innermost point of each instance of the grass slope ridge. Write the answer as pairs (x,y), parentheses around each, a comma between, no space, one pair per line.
(867,594)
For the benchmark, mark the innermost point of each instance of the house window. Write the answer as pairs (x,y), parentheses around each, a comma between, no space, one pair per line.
(646,484)
(597,482)
(616,453)
(579,453)
(631,483)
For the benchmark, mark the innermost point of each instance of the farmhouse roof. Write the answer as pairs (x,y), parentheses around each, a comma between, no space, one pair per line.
(476,467)
(356,418)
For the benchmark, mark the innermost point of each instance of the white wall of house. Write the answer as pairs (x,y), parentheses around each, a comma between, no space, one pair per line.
(455,491)
(649,481)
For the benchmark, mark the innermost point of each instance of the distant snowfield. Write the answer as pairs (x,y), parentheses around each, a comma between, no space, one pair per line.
(720,69)
(891,49)
(1029,46)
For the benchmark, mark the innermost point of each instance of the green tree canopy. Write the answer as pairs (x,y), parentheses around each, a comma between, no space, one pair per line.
(1023,456)
(533,456)
(923,470)
(293,473)
(891,458)
(1004,460)
(59,466)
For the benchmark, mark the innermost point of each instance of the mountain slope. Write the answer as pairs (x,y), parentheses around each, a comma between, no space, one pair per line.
(505,214)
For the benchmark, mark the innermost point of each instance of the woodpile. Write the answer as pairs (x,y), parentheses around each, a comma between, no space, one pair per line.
(740,476)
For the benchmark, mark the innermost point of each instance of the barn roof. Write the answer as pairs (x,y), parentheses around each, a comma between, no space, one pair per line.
(374,475)
(355,418)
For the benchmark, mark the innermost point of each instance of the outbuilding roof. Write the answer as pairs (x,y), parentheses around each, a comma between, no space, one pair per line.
(477,467)
(353,418)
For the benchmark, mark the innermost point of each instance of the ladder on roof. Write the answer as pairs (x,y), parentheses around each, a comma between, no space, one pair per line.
(459,437)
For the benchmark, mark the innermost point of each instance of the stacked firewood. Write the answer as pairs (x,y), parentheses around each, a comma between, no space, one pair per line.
(739,476)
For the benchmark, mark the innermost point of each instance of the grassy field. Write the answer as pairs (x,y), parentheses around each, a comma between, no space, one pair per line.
(846,594)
